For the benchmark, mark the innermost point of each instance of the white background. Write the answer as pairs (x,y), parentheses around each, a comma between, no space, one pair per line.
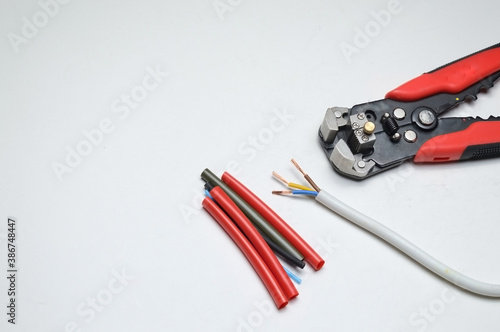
(132,205)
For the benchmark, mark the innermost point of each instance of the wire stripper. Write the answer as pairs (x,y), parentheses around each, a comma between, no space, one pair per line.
(376,136)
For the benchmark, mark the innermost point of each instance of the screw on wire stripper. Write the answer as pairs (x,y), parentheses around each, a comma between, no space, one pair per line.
(370,138)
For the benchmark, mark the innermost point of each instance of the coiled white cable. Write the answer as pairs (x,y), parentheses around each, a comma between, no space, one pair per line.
(457,278)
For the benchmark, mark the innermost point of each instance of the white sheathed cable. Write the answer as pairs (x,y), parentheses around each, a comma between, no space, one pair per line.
(407,247)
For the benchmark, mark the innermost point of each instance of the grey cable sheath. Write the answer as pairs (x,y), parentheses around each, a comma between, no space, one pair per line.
(405,246)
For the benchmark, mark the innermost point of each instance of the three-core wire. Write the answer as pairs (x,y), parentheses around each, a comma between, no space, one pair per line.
(396,240)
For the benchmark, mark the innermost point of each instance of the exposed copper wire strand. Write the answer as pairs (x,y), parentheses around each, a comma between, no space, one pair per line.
(291,184)
(306,176)
(282,192)
(280,178)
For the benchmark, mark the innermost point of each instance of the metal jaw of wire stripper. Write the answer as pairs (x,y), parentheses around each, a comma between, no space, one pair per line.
(373,137)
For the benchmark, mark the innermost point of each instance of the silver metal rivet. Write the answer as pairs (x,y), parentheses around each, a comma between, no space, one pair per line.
(399,113)
(426,117)
(338,114)
(410,136)
(361,116)
(361,164)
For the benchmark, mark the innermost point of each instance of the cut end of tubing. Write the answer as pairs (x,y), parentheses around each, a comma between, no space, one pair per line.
(282,305)
(317,264)
(292,297)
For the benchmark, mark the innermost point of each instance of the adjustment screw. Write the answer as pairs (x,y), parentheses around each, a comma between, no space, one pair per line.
(369,128)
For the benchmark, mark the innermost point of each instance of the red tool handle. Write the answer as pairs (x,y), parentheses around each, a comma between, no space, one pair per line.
(479,140)
(451,78)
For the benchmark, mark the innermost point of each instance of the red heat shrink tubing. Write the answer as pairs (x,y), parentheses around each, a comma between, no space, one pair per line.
(249,251)
(257,241)
(276,221)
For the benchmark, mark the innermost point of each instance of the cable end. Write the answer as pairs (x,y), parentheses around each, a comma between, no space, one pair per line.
(281,192)
(298,167)
(280,178)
